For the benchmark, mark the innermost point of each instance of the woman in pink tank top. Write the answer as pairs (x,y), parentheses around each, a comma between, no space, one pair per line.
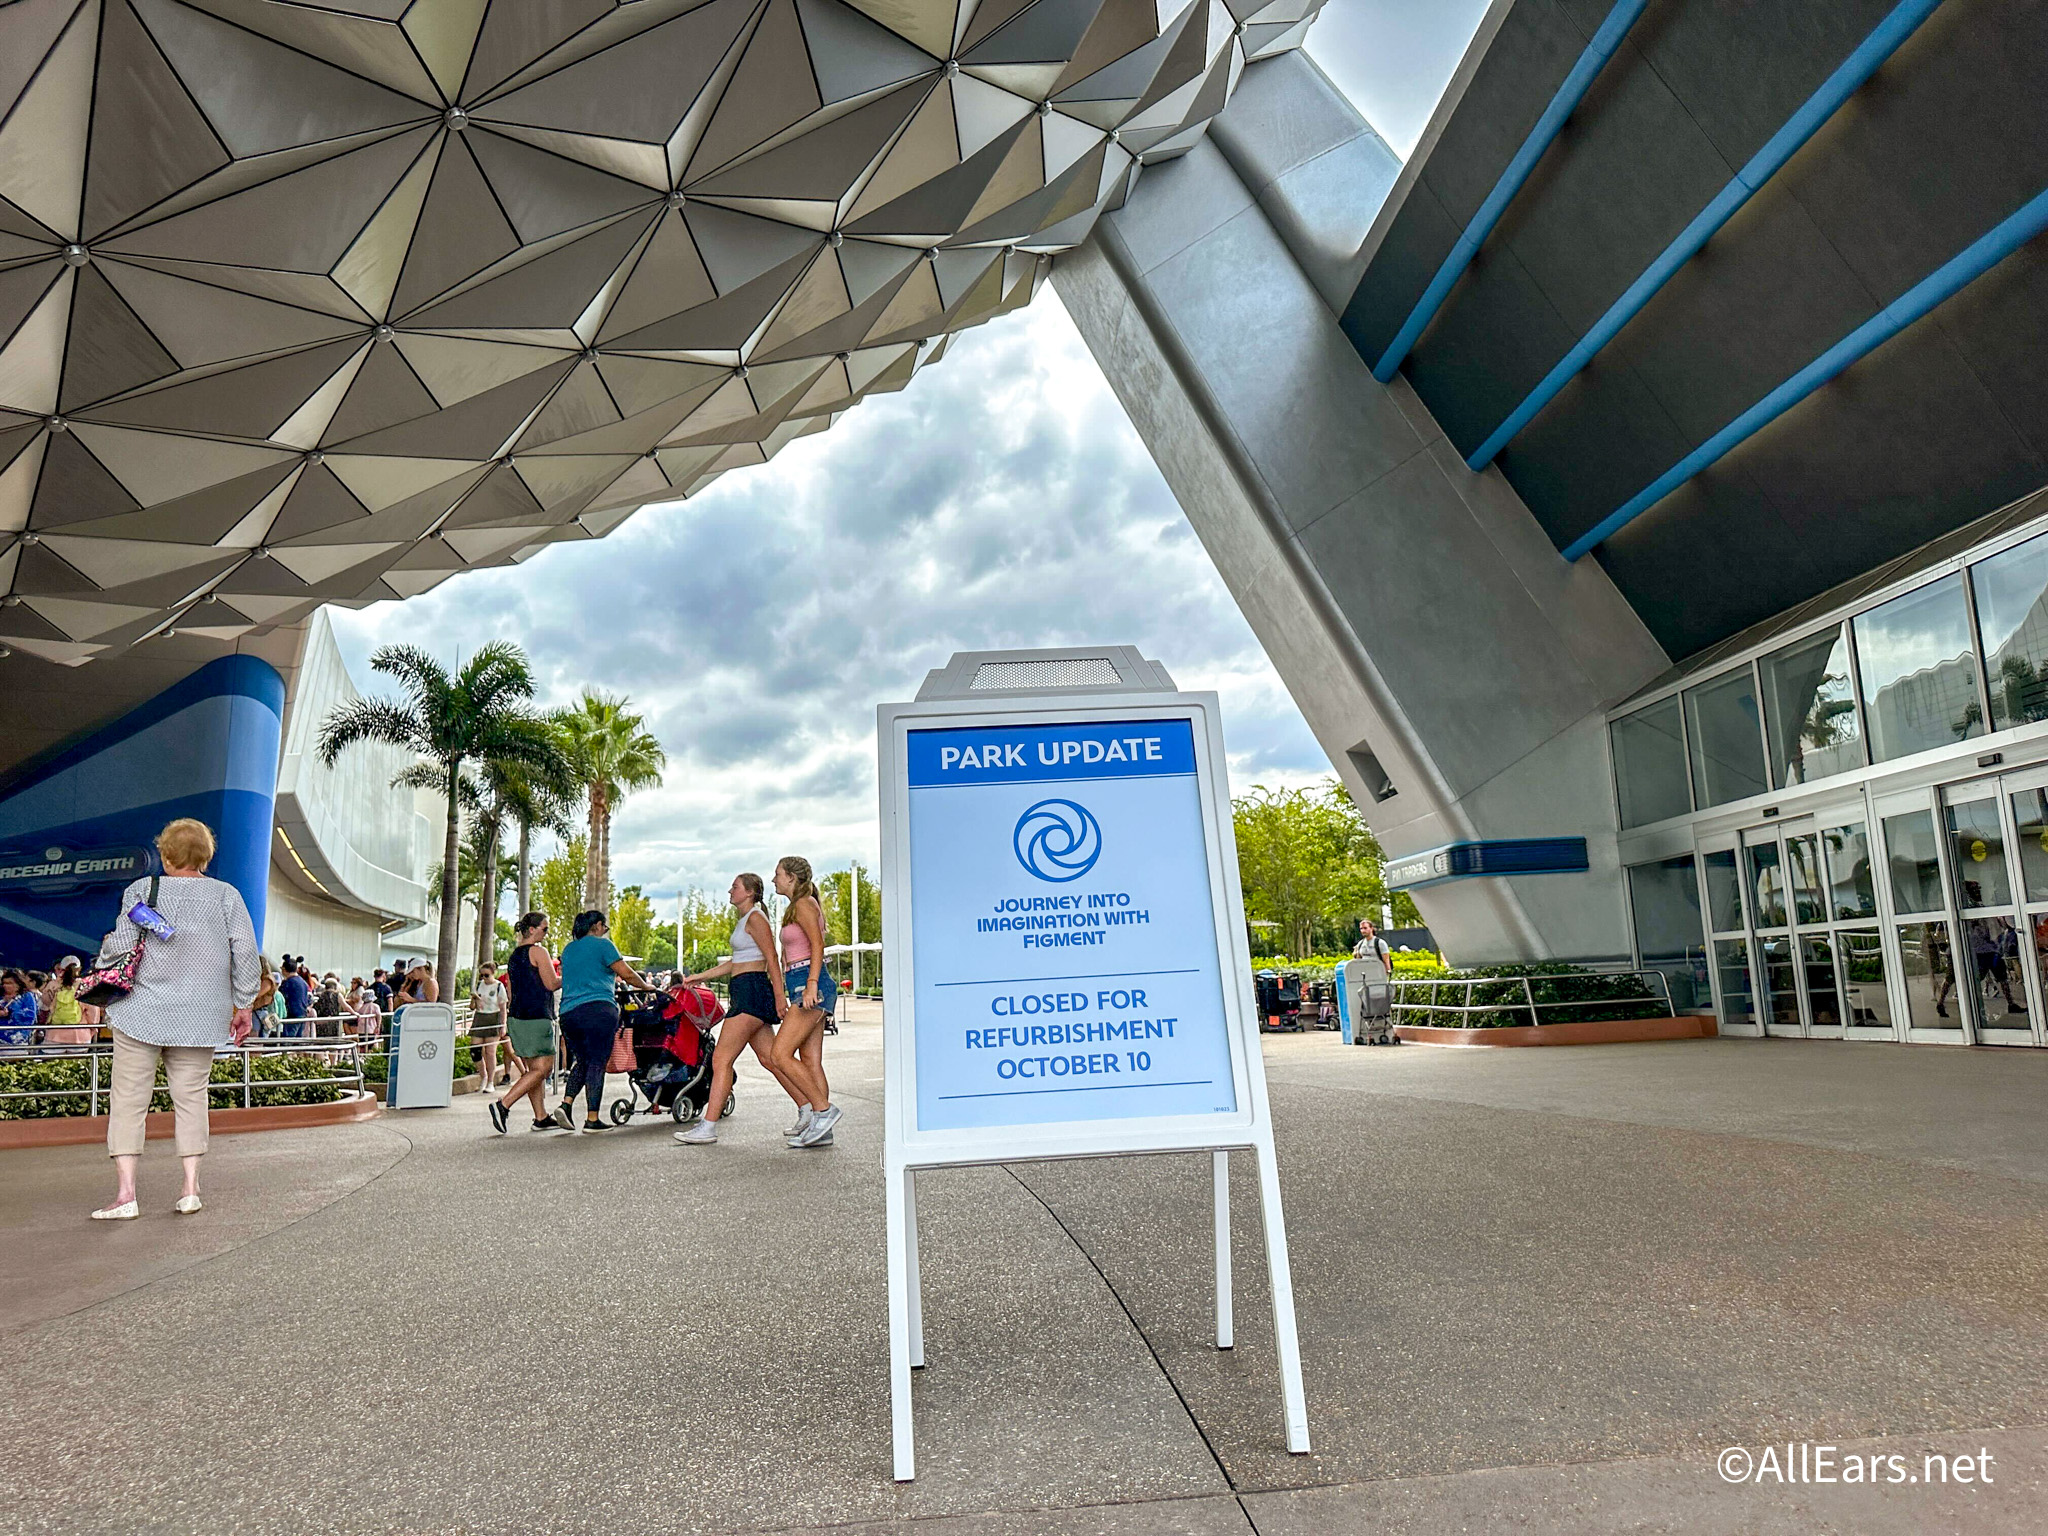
(800,1042)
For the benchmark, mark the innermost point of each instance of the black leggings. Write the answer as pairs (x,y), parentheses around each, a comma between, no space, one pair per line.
(587,1030)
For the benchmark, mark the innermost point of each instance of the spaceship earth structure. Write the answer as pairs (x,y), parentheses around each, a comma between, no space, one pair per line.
(304,304)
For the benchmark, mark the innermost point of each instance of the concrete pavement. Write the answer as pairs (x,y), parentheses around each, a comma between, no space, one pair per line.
(1536,1288)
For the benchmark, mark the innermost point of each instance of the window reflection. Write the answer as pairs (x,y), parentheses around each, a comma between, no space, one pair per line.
(1993,953)
(1738,996)
(1810,709)
(1928,969)
(1649,764)
(2030,816)
(2012,617)
(1851,890)
(1665,900)
(1863,986)
(1724,895)
(1919,671)
(1976,851)
(1802,862)
(1915,864)
(1727,745)
(1818,973)
(1776,953)
(1767,884)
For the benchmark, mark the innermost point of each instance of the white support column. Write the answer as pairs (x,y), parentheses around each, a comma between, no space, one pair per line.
(897,1216)
(1226,1332)
(1281,1281)
(916,1273)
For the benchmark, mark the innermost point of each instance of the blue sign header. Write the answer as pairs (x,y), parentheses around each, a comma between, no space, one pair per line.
(1020,754)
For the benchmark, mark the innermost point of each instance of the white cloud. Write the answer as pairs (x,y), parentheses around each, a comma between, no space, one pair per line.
(1002,499)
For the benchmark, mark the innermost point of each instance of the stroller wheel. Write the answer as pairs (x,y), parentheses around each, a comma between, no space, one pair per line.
(622,1111)
(684,1111)
(730,1102)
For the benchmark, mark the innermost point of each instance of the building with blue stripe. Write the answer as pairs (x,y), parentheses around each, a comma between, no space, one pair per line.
(1649,470)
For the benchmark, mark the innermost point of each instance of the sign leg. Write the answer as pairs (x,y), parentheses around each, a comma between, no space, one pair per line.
(1226,1334)
(896,1201)
(916,1275)
(1281,1282)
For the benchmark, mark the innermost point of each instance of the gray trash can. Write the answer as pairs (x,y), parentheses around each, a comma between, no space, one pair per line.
(1365,1002)
(421,1065)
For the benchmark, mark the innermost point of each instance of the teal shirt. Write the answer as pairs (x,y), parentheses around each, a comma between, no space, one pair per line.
(587,971)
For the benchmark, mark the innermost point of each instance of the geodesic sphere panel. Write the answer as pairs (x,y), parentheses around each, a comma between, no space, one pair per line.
(304,305)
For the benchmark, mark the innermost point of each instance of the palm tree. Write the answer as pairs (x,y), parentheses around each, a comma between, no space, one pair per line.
(537,801)
(529,795)
(613,754)
(479,714)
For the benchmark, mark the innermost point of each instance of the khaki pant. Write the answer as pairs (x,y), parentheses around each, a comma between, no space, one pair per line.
(186,1068)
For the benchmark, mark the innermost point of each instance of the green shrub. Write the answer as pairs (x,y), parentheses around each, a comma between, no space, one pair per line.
(1501,1003)
(377,1065)
(50,1078)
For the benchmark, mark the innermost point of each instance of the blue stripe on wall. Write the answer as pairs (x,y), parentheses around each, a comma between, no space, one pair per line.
(215,758)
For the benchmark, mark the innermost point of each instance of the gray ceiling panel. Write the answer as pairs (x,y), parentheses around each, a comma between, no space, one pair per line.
(393,288)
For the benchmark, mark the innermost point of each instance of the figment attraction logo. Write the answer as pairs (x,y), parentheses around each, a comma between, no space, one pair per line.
(1058,840)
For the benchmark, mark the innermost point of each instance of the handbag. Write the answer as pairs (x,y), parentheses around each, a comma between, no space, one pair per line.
(621,1059)
(115,979)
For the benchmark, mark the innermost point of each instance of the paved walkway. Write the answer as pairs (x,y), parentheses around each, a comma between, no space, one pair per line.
(1537,1289)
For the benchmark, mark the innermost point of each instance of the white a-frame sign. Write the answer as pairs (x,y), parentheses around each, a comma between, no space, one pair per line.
(1065,941)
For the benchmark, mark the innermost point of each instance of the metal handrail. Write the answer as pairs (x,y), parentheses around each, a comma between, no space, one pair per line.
(95,1089)
(1528,1004)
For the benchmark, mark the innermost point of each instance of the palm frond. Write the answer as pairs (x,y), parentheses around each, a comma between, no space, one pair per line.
(369,720)
(422,775)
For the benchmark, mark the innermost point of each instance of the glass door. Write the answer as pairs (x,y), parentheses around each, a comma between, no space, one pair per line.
(1849,902)
(1990,974)
(2026,797)
(1921,923)
(1768,886)
(1820,989)
(1721,885)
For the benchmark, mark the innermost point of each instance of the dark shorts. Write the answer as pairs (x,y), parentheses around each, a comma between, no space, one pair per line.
(486,1026)
(750,993)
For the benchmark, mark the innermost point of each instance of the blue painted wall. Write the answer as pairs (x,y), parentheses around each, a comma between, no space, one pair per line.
(206,747)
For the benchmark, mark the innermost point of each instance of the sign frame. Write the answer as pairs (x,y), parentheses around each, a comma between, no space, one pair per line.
(1248,1127)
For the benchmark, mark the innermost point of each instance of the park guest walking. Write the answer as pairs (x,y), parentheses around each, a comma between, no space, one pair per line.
(487,1023)
(590,1014)
(532,980)
(192,996)
(755,1004)
(800,1039)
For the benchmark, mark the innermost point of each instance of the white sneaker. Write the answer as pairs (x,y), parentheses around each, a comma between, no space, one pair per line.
(820,1126)
(703,1133)
(804,1114)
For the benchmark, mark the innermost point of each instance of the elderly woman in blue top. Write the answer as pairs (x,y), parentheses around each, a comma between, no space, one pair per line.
(590,1015)
(192,995)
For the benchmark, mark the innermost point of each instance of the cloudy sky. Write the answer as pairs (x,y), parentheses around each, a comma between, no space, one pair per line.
(1002,499)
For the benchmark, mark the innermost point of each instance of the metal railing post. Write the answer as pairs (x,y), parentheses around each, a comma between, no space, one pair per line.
(245,1075)
(1529,996)
(92,1102)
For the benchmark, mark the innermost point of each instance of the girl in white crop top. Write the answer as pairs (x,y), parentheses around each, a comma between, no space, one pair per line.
(753,1006)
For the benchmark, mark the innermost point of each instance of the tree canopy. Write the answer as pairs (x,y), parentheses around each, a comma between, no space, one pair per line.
(1311,866)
